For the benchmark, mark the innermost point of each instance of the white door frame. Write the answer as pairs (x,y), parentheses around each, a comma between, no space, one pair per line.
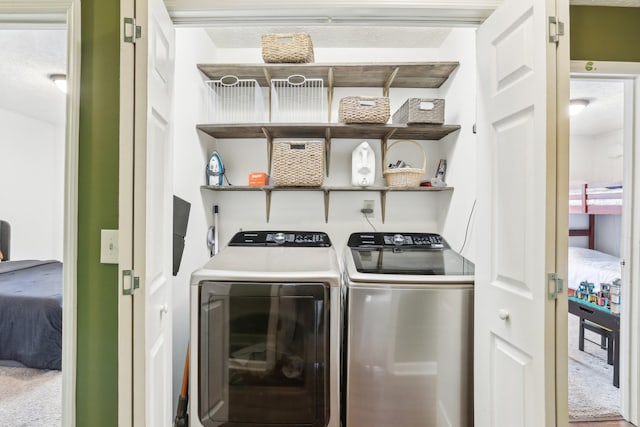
(33,14)
(629,73)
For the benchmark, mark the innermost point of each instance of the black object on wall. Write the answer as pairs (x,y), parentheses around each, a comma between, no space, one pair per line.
(5,240)
(181,210)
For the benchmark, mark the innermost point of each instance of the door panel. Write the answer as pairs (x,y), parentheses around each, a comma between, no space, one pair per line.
(514,319)
(153,184)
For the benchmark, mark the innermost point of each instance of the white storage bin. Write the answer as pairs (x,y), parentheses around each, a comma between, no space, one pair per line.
(234,100)
(298,99)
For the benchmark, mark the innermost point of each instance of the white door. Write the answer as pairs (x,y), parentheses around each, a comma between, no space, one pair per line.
(515,383)
(146,228)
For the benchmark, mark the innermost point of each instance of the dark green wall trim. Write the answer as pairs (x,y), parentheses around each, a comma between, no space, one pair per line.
(605,33)
(97,294)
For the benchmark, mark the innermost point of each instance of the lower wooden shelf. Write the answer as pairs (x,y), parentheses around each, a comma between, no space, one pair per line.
(327,191)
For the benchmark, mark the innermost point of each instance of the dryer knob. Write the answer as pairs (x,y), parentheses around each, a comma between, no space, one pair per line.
(398,239)
(279,238)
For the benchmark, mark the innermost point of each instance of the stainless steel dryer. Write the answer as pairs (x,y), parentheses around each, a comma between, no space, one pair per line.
(265,333)
(409,332)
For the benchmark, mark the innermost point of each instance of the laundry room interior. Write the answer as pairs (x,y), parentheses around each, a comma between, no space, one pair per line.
(444,210)
(447,211)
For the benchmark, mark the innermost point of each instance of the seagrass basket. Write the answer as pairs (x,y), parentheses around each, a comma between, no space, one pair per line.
(364,109)
(297,163)
(292,48)
(404,177)
(420,110)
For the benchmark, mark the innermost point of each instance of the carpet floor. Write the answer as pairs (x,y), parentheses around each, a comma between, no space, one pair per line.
(591,391)
(30,397)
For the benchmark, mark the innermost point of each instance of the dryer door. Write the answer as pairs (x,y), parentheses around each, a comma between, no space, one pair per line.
(263,354)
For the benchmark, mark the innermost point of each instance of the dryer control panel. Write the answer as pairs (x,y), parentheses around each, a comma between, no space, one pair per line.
(406,240)
(307,239)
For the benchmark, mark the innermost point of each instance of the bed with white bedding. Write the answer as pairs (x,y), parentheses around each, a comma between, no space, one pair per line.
(592,266)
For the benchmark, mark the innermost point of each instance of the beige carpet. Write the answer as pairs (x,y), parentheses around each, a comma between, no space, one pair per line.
(591,391)
(30,397)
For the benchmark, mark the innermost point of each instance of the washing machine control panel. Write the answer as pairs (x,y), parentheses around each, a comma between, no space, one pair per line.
(409,240)
(281,238)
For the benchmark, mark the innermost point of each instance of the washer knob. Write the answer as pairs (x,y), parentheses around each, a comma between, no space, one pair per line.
(279,238)
(398,239)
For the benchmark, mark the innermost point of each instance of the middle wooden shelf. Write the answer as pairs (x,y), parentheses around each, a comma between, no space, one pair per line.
(327,191)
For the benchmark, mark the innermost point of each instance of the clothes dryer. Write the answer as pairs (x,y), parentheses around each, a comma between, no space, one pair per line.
(265,333)
(408,352)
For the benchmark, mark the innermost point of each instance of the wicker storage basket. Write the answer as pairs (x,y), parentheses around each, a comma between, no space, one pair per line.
(404,177)
(420,110)
(364,109)
(290,48)
(297,163)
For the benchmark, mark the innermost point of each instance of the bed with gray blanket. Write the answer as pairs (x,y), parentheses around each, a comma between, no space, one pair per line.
(31,312)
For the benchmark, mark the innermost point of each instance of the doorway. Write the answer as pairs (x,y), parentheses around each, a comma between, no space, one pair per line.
(598,194)
(62,15)
(33,66)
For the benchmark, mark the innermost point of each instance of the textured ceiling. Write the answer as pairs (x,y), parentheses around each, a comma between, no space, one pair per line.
(27,58)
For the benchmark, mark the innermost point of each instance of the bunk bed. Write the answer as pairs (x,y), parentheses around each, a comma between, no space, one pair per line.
(588,265)
(30,309)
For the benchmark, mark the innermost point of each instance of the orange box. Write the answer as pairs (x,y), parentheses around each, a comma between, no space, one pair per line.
(257,179)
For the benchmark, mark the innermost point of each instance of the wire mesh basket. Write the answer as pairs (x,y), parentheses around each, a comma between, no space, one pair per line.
(298,99)
(234,100)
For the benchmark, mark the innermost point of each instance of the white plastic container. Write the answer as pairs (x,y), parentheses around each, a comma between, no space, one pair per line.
(363,165)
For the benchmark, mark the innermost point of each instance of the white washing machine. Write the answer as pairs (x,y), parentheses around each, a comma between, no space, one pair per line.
(409,332)
(265,333)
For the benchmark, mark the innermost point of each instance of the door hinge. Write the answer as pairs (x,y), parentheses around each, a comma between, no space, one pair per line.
(132,281)
(554,286)
(556,29)
(131,31)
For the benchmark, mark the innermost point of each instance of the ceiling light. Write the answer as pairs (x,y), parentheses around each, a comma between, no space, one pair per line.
(60,80)
(577,105)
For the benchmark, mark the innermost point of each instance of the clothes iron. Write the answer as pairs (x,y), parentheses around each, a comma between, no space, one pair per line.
(215,170)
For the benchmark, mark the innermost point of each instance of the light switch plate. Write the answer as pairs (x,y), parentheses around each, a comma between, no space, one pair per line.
(109,246)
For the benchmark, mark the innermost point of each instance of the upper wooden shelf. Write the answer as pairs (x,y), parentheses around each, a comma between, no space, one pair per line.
(329,130)
(406,75)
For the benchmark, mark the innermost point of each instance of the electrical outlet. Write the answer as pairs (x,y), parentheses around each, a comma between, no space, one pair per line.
(367,207)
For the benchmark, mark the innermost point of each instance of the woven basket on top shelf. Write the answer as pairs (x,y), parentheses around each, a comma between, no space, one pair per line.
(404,177)
(293,48)
(420,110)
(364,109)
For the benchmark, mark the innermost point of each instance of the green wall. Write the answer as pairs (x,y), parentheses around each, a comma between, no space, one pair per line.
(97,318)
(605,33)
(597,33)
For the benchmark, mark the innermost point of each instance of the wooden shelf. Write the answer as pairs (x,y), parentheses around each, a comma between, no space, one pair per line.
(327,191)
(330,130)
(381,75)
(385,75)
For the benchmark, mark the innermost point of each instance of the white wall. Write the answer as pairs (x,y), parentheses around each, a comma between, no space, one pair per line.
(598,158)
(32,190)
(193,47)
(445,212)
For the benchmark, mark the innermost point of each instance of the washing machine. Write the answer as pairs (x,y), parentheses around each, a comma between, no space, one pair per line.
(265,333)
(408,350)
